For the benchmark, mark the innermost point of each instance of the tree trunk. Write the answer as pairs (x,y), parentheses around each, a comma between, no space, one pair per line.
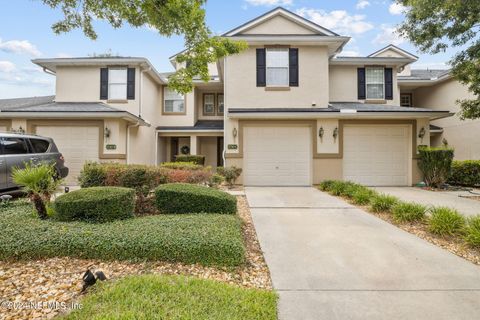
(39,206)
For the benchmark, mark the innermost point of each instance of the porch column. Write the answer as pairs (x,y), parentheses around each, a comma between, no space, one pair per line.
(194,146)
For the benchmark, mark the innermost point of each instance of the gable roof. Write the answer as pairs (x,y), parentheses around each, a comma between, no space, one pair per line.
(279,11)
(396,49)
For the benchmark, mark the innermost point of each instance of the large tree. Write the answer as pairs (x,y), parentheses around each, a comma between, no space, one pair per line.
(435,25)
(168,17)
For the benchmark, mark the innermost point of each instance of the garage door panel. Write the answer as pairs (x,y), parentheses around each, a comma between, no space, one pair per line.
(277,156)
(78,144)
(377,155)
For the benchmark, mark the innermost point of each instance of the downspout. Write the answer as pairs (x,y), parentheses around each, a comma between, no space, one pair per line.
(49,72)
(225,111)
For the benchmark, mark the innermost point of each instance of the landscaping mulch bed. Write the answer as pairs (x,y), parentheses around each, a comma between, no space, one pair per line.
(59,279)
(420,229)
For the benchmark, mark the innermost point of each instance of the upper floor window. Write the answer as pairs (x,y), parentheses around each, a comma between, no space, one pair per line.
(375,82)
(173,101)
(220,106)
(209,103)
(277,66)
(117,84)
(406,99)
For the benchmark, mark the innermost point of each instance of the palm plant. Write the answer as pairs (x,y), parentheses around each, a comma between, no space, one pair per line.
(39,183)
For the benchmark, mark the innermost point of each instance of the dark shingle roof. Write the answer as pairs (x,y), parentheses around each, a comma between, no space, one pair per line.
(425,74)
(200,125)
(6,104)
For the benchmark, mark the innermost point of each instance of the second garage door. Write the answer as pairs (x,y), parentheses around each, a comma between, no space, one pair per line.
(277,156)
(377,155)
(77,144)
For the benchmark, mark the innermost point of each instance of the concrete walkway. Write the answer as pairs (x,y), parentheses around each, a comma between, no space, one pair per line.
(329,260)
(465,206)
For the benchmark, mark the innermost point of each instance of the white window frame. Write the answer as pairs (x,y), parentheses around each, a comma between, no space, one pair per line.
(110,83)
(287,67)
(165,90)
(374,83)
(409,95)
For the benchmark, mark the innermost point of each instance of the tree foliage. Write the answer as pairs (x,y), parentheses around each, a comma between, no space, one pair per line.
(435,25)
(168,17)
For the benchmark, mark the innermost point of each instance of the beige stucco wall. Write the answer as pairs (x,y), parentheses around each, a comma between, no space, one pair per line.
(343,85)
(461,134)
(187,119)
(327,144)
(278,25)
(242,92)
(118,136)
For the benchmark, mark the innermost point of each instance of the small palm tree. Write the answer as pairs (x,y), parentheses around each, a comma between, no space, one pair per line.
(39,182)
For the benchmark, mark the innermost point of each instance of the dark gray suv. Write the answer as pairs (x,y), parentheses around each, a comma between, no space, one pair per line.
(17,149)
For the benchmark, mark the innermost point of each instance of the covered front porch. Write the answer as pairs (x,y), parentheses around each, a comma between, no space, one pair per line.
(204,138)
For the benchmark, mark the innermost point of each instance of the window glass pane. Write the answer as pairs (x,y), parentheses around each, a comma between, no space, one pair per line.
(209,103)
(375,75)
(14,146)
(168,105)
(178,106)
(375,83)
(39,146)
(117,91)
(174,102)
(172,95)
(277,58)
(117,76)
(374,91)
(220,103)
(277,76)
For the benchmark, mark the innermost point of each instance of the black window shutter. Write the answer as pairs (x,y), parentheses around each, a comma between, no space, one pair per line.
(388,84)
(261,68)
(293,66)
(103,83)
(131,83)
(361,83)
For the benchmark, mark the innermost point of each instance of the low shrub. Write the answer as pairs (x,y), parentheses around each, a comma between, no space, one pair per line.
(445,221)
(435,164)
(326,185)
(196,159)
(96,204)
(216,180)
(181,165)
(230,174)
(189,176)
(362,196)
(344,188)
(465,173)
(93,174)
(472,231)
(187,198)
(408,211)
(383,203)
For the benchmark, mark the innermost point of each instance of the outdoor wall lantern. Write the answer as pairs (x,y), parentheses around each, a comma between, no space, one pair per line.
(107,133)
(321,132)
(20,130)
(234,132)
(335,133)
(421,134)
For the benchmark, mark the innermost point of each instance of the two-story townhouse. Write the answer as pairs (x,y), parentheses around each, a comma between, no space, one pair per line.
(289,110)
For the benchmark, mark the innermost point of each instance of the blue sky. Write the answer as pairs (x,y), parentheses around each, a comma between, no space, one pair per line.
(25,34)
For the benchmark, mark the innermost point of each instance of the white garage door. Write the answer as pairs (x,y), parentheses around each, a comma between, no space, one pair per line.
(277,156)
(377,155)
(3,129)
(77,144)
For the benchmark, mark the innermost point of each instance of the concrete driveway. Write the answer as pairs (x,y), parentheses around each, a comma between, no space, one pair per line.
(329,260)
(465,206)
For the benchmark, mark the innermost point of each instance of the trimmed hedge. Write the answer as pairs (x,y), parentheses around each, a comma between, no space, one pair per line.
(181,165)
(435,164)
(187,198)
(208,239)
(465,173)
(196,159)
(96,204)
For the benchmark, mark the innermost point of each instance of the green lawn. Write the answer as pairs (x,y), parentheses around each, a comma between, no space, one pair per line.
(175,297)
(209,239)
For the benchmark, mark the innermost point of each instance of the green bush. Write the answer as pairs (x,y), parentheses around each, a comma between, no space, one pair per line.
(96,204)
(181,165)
(208,239)
(362,196)
(465,173)
(344,188)
(230,174)
(187,198)
(196,159)
(326,185)
(216,180)
(472,231)
(408,211)
(383,203)
(445,221)
(93,174)
(435,164)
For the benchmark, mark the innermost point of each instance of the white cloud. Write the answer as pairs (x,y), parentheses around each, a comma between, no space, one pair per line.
(362,4)
(388,35)
(269,2)
(396,9)
(6,66)
(19,47)
(337,20)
